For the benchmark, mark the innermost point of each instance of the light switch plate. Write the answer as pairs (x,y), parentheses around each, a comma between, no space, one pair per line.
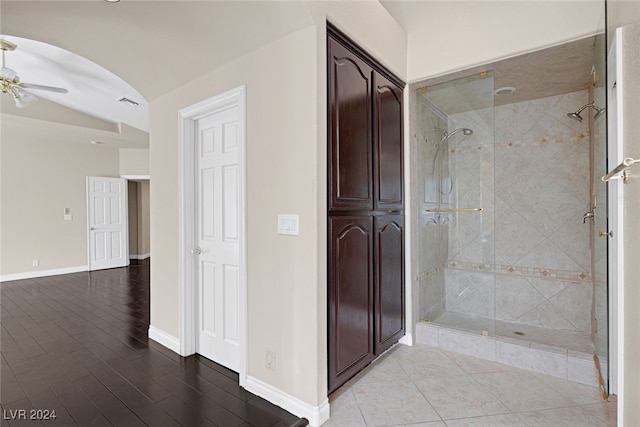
(68,217)
(288,224)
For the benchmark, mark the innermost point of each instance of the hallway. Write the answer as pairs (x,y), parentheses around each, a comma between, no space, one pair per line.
(77,344)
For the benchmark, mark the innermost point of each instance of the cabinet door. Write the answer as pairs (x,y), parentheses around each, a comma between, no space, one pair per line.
(349,127)
(350,297)
(388,153)
(388,281)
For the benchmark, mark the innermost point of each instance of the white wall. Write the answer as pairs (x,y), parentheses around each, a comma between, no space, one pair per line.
(40,177)
(446,36)
(619,14)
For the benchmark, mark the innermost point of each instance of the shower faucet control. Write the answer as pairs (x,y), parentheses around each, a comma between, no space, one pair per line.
(588,215)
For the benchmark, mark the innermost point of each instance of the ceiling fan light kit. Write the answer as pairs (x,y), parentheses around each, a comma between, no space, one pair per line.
(11,85)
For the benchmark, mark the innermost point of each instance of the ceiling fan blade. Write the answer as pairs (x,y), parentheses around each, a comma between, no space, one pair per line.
(41,87)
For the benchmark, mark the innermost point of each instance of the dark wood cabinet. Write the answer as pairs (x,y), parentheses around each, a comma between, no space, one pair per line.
(365,209)
(350,126)
(388,153)
(388,280)
(352,313)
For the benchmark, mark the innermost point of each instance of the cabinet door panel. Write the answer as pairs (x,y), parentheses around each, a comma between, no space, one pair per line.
(388,144)
(350,138)
(388,281)
(350,297)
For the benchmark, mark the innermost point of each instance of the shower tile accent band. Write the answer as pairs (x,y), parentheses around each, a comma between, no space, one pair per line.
(520,270)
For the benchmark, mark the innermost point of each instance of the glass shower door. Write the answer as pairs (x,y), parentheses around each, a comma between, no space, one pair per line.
(457,162)
(599,324)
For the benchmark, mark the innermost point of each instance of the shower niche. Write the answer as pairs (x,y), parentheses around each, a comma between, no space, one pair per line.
(507,265)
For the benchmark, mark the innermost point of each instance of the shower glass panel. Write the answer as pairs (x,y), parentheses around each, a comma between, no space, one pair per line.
(598,132)
(454,126)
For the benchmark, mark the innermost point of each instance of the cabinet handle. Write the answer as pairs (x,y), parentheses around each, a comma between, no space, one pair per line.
(393,210)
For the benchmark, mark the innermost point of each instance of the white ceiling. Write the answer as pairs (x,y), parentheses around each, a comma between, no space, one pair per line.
(91,88)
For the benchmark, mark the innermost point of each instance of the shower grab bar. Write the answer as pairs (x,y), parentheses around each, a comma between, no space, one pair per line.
(442,210)
(622,167)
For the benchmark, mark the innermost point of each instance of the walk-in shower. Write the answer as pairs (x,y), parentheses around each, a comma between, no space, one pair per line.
(501,186)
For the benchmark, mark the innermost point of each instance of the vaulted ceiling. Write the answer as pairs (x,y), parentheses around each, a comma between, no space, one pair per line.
(153,46)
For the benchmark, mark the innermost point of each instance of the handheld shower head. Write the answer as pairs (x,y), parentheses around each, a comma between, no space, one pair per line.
(465,131)
(446,135)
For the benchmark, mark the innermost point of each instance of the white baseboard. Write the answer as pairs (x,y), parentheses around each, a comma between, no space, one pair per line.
(165,339)
(140,257)
(316,415)
(407,339)
(42,273)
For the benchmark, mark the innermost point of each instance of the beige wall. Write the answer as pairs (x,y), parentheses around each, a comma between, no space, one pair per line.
(41,177)
(132,194)
(452,35)
(134,161)
(139,215)
(619,14)
(282,284)
(286,155)
(144,211)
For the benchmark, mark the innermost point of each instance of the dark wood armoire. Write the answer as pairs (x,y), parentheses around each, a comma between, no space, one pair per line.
(365,209)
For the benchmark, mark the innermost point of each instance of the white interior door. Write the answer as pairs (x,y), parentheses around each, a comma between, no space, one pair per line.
(107,221)
(217,194)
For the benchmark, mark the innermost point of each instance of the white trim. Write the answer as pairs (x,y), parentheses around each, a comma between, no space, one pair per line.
(136,177)
(407,339)
(42,273)
(165,339)
(186,264)
(316,415)
(143,256)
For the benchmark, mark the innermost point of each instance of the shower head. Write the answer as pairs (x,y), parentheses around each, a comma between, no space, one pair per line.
(576,114)
(446,135)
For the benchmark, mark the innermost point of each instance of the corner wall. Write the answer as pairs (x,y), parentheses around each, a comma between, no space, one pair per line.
(286,173)
(283,312)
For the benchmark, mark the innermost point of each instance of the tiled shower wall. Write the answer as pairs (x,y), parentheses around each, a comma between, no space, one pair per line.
(532,216)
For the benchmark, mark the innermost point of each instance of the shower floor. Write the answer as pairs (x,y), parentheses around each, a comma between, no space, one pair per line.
(559,338)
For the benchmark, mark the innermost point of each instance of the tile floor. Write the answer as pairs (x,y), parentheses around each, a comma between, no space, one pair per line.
(423,386)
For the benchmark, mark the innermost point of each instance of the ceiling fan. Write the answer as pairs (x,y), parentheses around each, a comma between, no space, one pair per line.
(10,82)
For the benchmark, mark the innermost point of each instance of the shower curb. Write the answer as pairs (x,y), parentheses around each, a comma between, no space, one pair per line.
(561,363)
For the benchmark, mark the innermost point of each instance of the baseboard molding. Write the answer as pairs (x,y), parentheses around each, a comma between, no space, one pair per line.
(165,339)
(140,257)
(316,415)
(407,339)
(42,273)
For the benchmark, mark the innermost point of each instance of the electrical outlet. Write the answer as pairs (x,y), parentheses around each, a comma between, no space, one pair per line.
(270,359)
(35,262)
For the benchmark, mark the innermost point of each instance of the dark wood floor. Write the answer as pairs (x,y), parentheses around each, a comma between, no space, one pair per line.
(77,344)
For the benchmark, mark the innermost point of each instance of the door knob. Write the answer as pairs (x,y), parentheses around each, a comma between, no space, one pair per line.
(604,233)
(197,250)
